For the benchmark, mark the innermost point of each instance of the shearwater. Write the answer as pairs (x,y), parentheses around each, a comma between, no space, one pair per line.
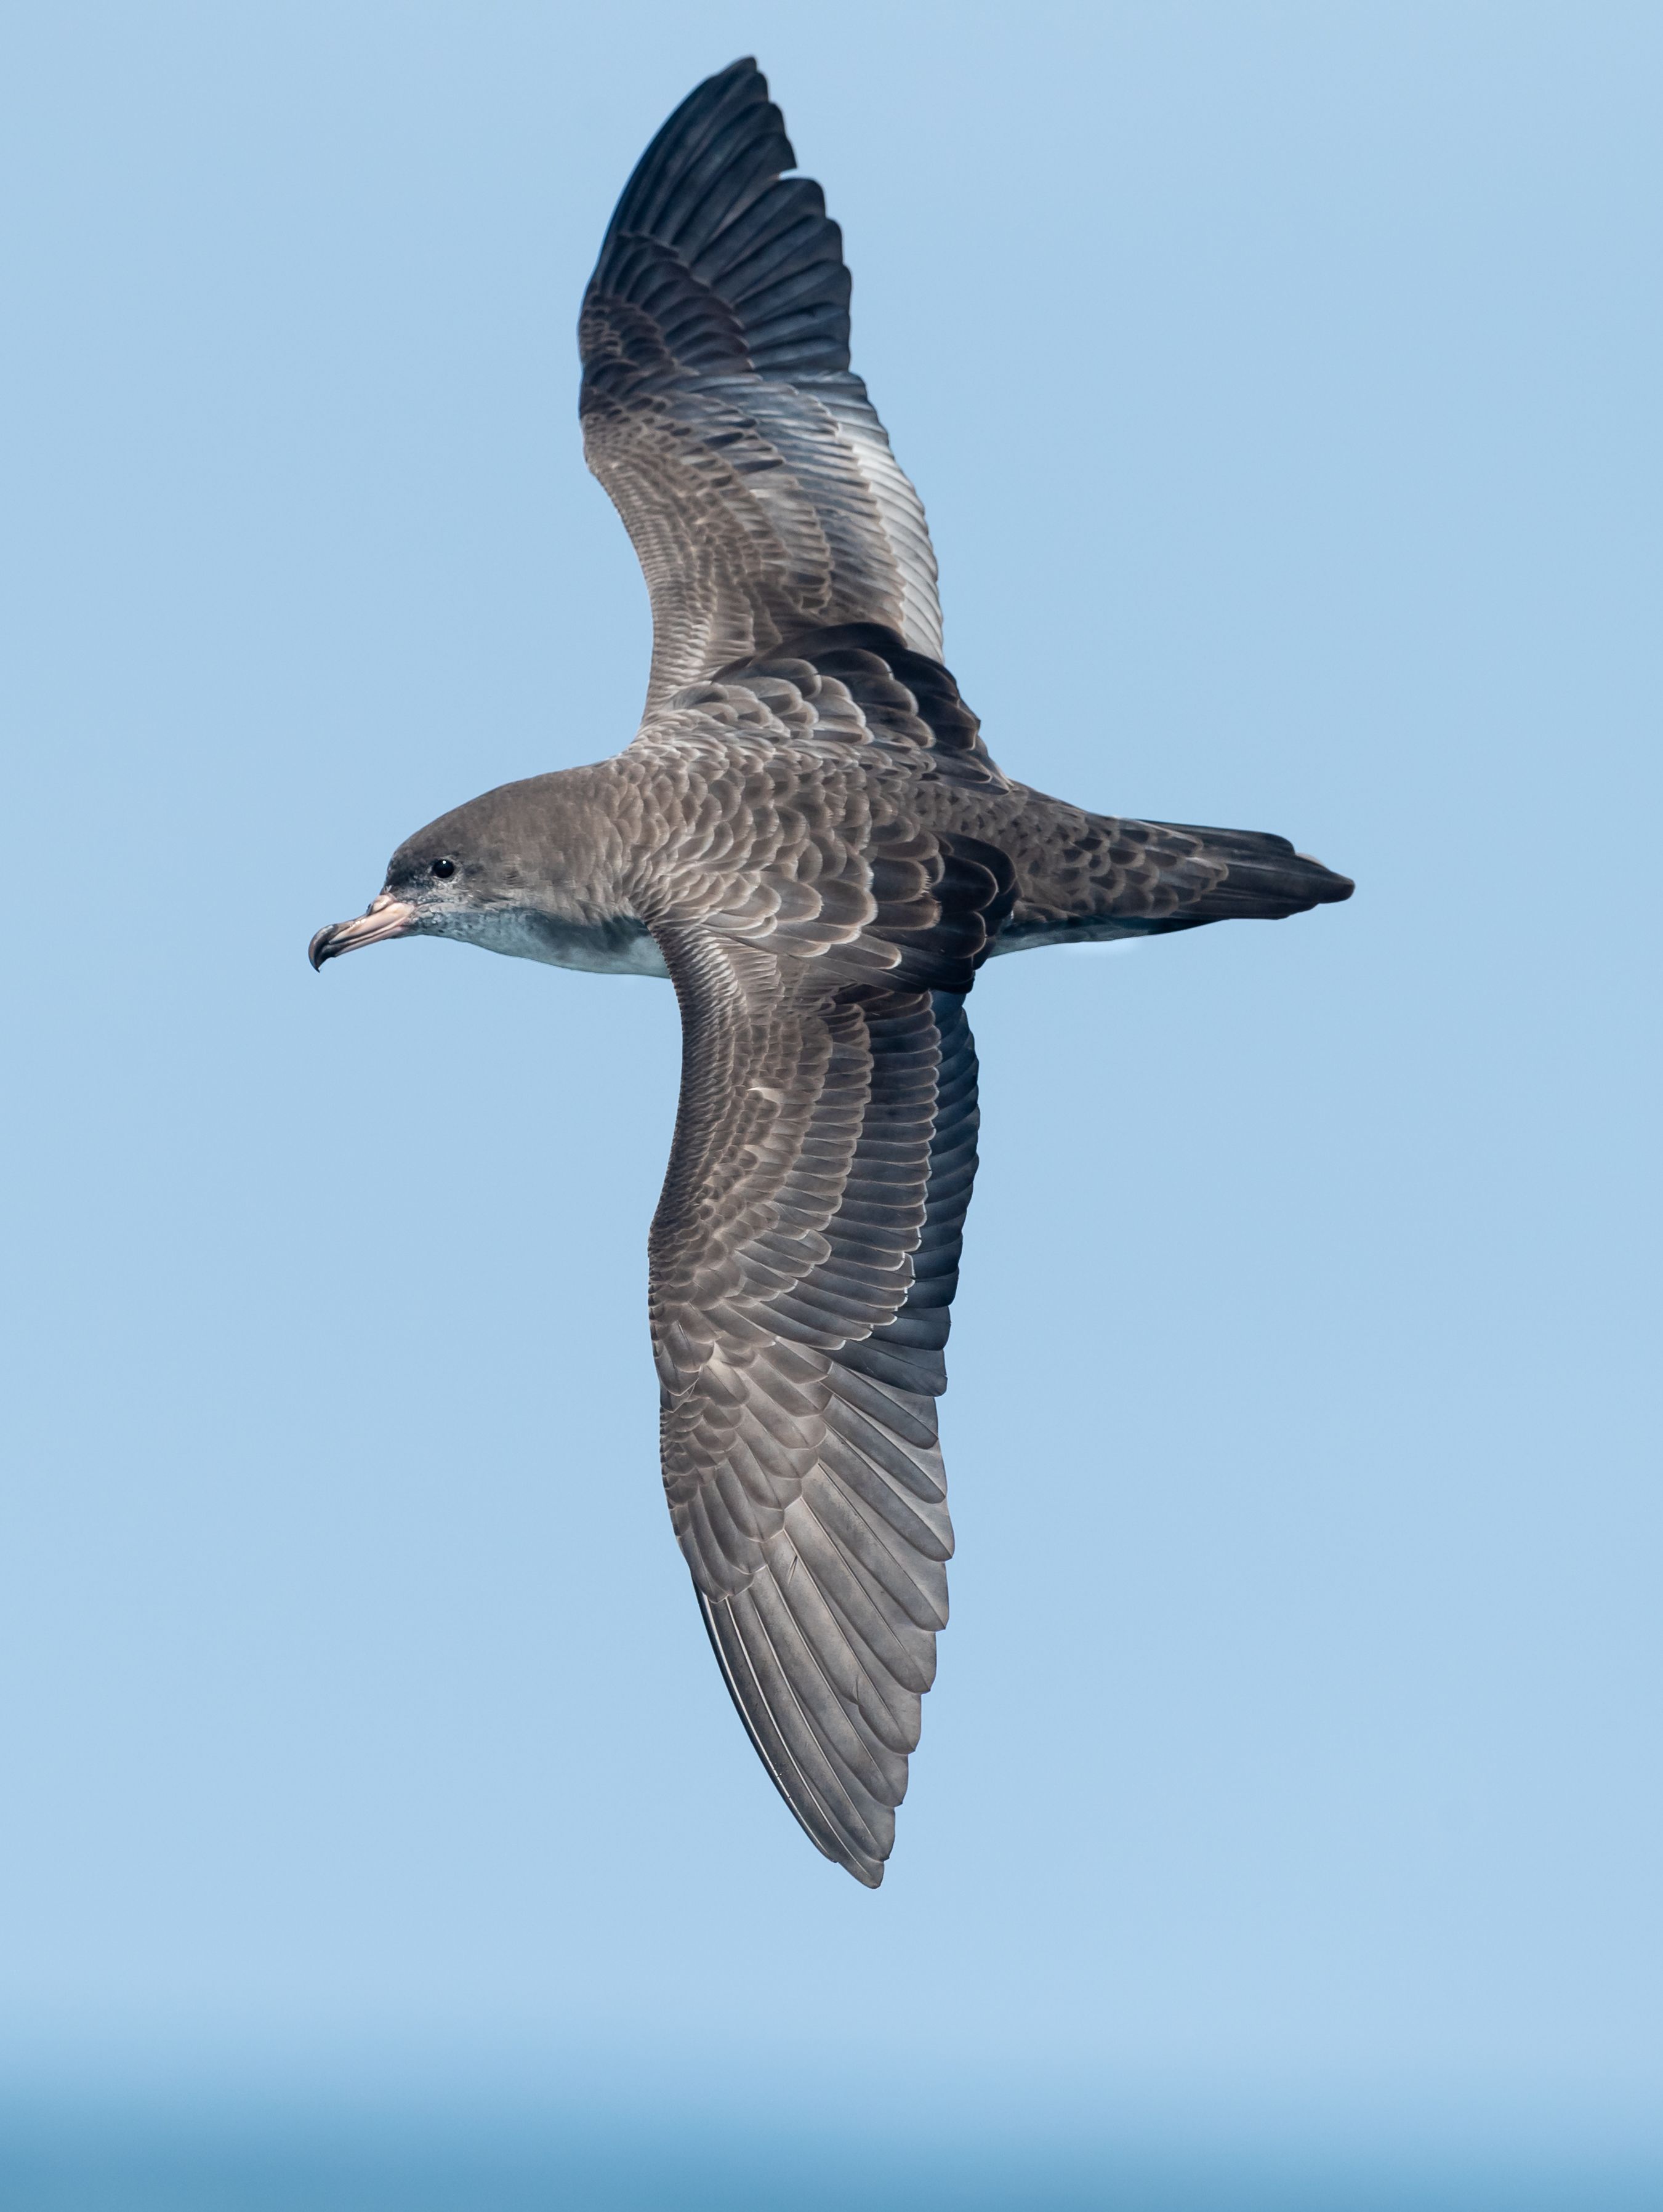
(809,838)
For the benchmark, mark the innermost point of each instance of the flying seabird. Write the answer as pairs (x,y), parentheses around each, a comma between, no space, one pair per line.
(808,838)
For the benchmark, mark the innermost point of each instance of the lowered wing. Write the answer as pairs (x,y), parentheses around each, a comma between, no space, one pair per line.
(804,1256)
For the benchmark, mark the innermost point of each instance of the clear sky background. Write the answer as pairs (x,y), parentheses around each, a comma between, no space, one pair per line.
(1282,382)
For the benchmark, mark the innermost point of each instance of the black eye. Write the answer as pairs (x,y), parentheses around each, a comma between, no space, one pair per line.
(444,869)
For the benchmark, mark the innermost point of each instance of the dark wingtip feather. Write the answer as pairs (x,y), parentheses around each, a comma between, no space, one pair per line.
(822,1829)
(710,235)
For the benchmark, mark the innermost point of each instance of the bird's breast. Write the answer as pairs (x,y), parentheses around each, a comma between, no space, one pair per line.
(618,947)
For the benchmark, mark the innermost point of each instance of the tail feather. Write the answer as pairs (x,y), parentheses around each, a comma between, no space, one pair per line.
(1266,879)
(1083,877)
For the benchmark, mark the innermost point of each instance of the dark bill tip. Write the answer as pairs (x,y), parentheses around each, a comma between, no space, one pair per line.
(385,916)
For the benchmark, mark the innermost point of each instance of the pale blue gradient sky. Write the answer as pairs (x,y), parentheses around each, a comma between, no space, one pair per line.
(1282,383)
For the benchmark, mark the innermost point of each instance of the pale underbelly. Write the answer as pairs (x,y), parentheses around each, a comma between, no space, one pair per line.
(610,948)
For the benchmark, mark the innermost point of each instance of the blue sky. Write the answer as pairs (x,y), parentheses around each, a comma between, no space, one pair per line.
(1281,383)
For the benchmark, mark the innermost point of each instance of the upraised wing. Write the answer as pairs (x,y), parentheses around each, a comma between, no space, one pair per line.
(804,1256)
(719,409)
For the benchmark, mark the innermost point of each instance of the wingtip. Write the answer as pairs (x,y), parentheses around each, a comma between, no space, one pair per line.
(723,80)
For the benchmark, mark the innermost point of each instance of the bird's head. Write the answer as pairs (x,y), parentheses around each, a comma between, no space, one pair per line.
(455,878)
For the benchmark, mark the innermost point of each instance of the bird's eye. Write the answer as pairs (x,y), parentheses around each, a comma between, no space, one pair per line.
(444,869)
